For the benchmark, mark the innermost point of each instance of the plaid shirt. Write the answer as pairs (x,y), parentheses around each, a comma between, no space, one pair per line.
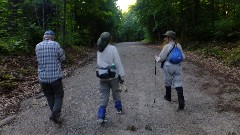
(49,58)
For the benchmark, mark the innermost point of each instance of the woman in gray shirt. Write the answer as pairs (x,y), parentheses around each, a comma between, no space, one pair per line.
(172,73)
(110,72)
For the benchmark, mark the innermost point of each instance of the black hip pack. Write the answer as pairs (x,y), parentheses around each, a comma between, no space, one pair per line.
(105,73)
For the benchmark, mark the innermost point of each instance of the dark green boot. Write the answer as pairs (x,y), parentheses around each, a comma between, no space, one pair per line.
(168,93)
(181,100)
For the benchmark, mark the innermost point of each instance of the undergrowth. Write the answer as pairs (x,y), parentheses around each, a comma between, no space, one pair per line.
(14,69)
(229,53)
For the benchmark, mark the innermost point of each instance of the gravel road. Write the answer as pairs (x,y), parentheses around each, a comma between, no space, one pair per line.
(145,110)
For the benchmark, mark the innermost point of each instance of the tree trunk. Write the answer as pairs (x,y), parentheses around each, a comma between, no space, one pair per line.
(64,20)
(43,12)
(182,18)
(212,12)
(196,17)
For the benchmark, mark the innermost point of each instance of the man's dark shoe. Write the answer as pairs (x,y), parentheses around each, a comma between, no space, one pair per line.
(51,118)
(168,99)
(56,120)
(181,108)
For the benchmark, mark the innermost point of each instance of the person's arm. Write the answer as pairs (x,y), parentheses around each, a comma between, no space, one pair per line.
(118,63)
(164,53)
(61,53)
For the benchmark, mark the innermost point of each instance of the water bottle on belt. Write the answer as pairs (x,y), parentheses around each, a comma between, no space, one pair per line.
(112,71)
(113,66)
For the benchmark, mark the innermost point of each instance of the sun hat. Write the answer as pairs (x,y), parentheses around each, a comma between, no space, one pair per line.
(171,34)
(103,41)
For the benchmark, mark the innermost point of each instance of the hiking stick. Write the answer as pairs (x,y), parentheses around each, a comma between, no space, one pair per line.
(155,67)
(155,78)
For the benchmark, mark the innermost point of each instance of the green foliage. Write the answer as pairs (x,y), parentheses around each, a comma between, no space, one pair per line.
(234,57)
(26,70)
(130,29)
(6,84)
(72,39)
(13,46)
(156,16)
(226,29)
(229,53)
(213,51)
(3,18)
(24,42)
(93,18)
(32,35)
(3,47)
(24,22)
(191,19)
(77,52)
(80,39)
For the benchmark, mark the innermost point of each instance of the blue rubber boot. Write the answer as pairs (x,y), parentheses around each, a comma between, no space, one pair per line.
(118,106)
(101,113)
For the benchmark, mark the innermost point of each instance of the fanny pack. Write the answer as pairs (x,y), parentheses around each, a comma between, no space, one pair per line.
(105,73)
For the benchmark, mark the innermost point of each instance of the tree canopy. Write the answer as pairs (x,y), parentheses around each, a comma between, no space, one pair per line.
(191,19)
(80,22)
(75,22)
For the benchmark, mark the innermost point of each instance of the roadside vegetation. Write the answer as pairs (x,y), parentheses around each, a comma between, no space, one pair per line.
(227,52)
(207,27)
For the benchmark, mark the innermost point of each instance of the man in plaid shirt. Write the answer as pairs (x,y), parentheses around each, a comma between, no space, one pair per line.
(49,57)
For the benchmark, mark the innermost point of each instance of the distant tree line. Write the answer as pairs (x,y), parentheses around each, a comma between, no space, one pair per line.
(75,22)
(191,19)
(80,22)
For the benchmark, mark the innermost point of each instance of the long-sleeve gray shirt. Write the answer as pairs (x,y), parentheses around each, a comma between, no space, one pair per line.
(109,56)
(165,51)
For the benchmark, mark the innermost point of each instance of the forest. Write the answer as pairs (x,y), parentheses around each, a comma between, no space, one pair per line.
(80,22)
(209,27)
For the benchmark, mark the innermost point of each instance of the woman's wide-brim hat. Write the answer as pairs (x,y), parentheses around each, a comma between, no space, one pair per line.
(103,41)
(171,34)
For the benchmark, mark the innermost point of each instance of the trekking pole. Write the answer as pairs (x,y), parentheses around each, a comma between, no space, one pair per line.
(155,67)
(155,79)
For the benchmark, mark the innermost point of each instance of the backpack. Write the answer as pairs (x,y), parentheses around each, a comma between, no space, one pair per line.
(175,56)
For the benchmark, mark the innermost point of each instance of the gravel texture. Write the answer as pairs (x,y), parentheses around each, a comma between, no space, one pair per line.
(212,103)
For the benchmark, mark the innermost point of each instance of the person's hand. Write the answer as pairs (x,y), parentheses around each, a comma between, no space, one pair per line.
(157,58)
(120,79)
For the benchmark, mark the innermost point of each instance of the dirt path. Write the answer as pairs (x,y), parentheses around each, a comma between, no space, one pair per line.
(145,109)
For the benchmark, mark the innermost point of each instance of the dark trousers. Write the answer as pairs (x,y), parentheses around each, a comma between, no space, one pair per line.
(54,93)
